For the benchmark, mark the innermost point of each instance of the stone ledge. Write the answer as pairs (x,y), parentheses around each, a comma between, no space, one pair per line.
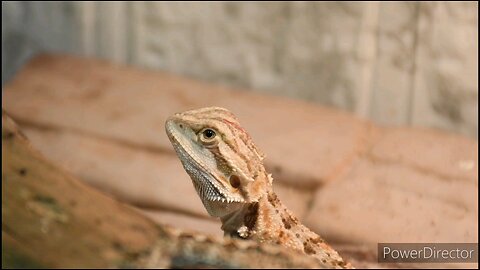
(131,105)
(375,184)
(443,154)
(52,220)
(142,178)
(388,202)
(184,222)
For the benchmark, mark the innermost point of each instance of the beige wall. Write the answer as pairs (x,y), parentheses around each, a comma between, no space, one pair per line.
(396,63)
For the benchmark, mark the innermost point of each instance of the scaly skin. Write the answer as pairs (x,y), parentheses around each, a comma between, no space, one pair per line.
(228,173)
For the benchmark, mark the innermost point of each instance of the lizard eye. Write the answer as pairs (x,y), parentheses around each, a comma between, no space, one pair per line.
(207,135)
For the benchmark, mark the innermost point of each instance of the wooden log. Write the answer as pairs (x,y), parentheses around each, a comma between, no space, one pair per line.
(51,219)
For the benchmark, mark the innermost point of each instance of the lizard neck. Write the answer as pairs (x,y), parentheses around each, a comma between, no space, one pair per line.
(268,220)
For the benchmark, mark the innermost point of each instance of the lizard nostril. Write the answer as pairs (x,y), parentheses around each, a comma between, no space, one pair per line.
(180,125)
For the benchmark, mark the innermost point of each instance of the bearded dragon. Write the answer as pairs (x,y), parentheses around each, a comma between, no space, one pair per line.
(228,174)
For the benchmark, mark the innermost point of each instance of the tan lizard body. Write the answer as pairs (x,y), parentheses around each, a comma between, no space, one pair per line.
(228,173)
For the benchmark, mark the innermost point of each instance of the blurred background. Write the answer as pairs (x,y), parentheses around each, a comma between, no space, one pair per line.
(396,63)
(304,78)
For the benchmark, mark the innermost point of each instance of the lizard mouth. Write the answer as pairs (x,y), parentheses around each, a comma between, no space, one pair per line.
(207,186)
(215,201)
(204,183)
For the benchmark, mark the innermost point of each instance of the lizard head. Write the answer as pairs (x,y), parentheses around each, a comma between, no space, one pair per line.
(225,166)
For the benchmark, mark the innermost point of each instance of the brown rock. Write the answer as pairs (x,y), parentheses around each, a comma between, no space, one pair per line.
(440,153)
(384,202)
(294,199)
(142,178)
(135,175)
(52,220)
(310,150)
(304,144)
(208,226)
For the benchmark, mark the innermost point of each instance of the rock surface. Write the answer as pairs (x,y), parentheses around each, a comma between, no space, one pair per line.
(355,183)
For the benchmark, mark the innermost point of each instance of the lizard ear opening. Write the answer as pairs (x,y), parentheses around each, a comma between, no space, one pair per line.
(234,181)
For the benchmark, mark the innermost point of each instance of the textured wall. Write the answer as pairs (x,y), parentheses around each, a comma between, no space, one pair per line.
(396,63)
